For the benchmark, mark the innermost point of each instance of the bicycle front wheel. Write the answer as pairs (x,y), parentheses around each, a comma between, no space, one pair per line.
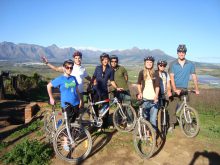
(76,152)
(162,122)
(49,129)
(144,139)
(124,119)
(189,123)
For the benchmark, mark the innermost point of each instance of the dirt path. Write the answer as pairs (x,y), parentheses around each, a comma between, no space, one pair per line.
(111,149)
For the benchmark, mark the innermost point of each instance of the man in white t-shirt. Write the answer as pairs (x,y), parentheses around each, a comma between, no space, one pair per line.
(78,71)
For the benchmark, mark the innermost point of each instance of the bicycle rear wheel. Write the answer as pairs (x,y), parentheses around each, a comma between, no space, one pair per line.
(189,129)
(49,129)
(144,139)
(124,119)
(74,153)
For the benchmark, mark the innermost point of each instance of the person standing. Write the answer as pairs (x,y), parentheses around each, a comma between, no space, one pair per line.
(180,71)
(78,71)
(121,80)
(102,74)
(148,90)
(165,87)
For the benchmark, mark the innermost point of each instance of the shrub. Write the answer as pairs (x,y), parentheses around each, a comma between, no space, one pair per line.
(28,153)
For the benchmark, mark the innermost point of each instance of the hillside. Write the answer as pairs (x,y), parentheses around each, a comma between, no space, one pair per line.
(30,52)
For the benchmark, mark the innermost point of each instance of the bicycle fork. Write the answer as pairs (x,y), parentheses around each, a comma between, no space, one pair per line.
(68,128)
(139,125)
(121,111)
(187,115)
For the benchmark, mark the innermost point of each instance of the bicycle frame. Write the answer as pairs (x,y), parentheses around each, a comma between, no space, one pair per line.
(68,128)
(183,107)
(113,102)
(53,116)
(141,117)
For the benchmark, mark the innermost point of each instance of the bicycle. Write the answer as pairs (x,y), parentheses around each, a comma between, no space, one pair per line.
(144,137)
(71,142)
(187,116)
(124,117)
(50,124)
(162,119)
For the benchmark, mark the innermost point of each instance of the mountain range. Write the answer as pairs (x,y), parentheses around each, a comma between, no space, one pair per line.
(32,53)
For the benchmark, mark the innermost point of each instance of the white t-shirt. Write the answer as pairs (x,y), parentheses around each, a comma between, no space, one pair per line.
(80,73)
(164,79)
(149,92)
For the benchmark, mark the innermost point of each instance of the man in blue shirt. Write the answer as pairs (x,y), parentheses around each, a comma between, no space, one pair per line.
(102,74)
(68,86)
(180,71)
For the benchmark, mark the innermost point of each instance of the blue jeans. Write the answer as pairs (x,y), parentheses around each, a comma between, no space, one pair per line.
(150,111)
(123,96)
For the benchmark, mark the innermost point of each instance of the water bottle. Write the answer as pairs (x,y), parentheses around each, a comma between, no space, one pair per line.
(103,109)
(59,123)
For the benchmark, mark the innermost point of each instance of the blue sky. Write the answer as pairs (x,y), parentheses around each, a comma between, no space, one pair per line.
(116,24)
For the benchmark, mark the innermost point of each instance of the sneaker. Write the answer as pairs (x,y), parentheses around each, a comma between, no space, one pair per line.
(170,130)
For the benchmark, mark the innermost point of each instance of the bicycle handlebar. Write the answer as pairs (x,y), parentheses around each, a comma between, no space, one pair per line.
(183,92)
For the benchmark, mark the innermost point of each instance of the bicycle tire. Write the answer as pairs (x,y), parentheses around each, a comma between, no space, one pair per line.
(190,130)
(48,127)
(149,144)
(82,138)
(160,120)
(126,123)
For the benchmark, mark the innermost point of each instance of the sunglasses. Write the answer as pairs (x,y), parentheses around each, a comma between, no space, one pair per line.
(66,67)
(161,65)
(114,61)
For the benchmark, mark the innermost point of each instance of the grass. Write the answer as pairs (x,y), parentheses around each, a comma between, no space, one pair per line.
(31,128)
(28,152)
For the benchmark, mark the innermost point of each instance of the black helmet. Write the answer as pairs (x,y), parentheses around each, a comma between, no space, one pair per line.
(182,48)
(77,53)
(104,55)
(69,61)
(114,57)
(149,58)
(162,62)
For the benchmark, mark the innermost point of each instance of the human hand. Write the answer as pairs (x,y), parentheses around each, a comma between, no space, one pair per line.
(52,101)
(169,94)
(119,89)
(177,91)
(44,59)
(155,99)
(140,96)
(197,92)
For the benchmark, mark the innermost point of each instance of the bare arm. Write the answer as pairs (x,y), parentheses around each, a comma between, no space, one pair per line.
(45,60)
(49,90)
(115,86)
(195,80)
(126,77)
(140,95)
(173,84)
(157,89)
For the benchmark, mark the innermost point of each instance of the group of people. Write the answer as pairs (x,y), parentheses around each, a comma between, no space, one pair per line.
(154,86)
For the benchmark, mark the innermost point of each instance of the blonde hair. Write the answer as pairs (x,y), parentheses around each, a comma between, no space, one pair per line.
(150,71)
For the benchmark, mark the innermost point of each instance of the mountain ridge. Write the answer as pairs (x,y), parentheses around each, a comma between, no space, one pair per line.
(31,53)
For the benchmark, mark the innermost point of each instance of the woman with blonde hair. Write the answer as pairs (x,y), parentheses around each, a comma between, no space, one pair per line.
(148,90)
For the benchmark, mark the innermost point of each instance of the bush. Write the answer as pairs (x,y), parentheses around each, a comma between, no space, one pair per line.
(28,153)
